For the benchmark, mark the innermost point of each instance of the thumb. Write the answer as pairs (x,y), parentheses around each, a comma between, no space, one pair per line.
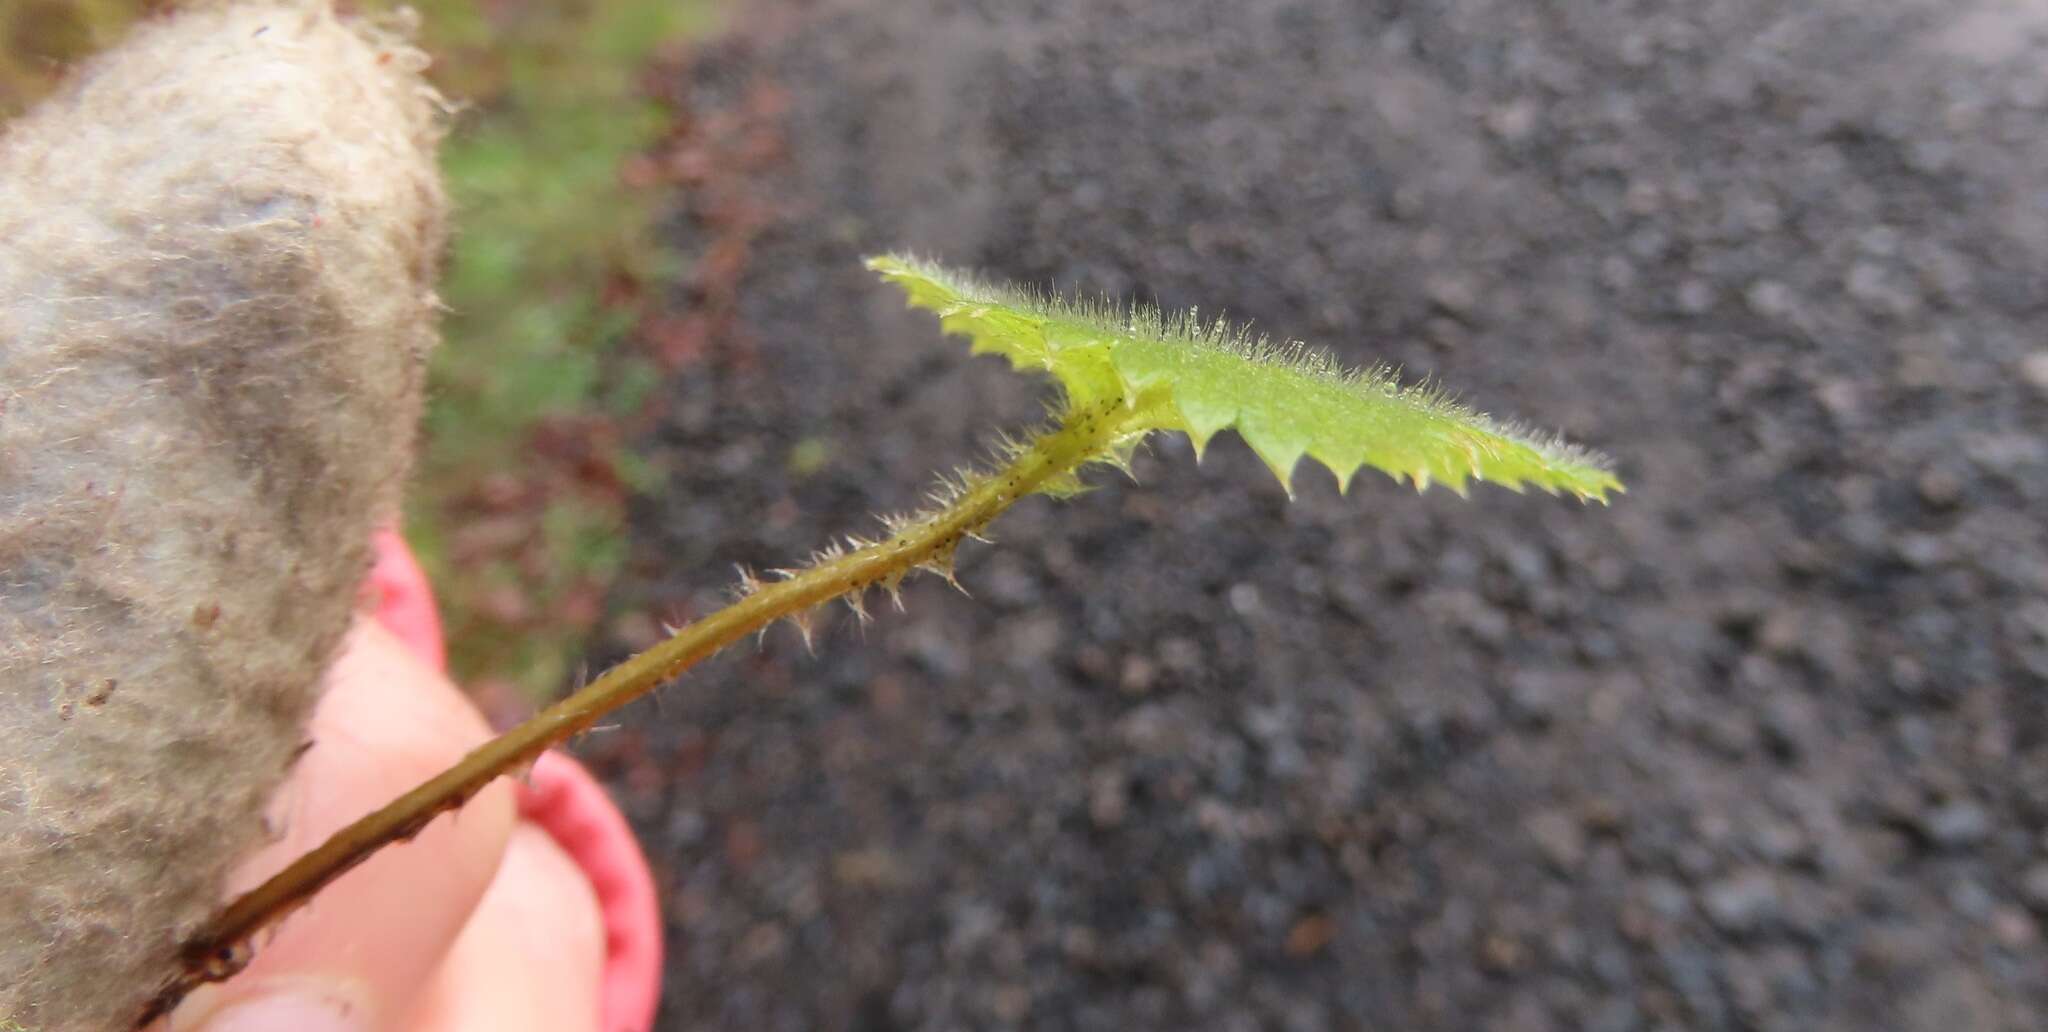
(356,957)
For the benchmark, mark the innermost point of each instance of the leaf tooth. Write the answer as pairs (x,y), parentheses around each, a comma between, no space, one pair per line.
(1342,462)
(1280,458)
(1062,485)
(1345,473)
(1445,470)
(1202,421)
(1120,453)
(1286,477)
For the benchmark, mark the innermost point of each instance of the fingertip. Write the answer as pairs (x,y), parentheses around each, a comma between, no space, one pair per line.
(532,956)
(372,938)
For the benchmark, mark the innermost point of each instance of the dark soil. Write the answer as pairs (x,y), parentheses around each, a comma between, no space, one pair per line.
(1761,746)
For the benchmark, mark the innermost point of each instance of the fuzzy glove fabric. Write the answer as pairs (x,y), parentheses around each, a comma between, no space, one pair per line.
(217,255)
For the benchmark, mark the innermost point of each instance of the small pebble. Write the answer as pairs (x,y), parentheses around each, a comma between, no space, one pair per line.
(2034,370)
(1560,838)
(1742,904)
(2034,887)
(1956,825)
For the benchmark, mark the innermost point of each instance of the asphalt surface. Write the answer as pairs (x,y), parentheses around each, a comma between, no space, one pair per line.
(1761,746)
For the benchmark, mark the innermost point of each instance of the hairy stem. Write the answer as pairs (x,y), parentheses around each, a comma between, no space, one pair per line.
(1083,435)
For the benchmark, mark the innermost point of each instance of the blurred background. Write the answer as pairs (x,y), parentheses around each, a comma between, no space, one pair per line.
(1761,746)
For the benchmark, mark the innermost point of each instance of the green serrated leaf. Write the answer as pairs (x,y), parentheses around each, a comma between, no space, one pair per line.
(1285,400)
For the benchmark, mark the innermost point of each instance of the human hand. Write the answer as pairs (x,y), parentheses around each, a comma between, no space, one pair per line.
(481,922)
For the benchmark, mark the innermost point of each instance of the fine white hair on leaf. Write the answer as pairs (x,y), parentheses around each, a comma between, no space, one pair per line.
(217,252)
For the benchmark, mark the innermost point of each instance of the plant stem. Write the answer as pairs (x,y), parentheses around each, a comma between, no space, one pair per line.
(1084,435)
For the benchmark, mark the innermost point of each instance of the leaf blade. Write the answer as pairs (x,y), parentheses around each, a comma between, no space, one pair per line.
(1286,401)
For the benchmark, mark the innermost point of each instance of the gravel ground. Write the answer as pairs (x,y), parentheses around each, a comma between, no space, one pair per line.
(1762,746)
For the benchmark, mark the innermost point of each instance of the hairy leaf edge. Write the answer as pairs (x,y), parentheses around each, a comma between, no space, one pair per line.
(1096,348)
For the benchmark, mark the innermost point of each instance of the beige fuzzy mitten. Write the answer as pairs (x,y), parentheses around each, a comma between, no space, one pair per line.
(217,255)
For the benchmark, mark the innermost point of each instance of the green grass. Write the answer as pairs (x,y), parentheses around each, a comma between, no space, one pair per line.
(518,545)
(544,225)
